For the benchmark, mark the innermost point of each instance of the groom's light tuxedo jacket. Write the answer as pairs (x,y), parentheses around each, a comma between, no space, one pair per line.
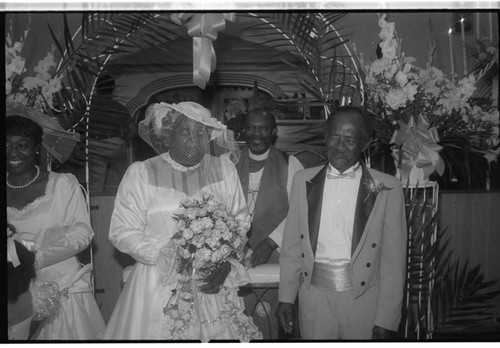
(378,253)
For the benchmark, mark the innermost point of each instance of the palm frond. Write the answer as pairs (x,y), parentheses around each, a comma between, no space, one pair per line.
(315,42)
(442,293)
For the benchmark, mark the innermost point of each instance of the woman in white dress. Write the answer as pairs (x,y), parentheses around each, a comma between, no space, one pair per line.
(186,138)
(51,207)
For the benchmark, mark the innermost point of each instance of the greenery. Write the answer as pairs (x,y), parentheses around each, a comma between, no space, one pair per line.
(442,293)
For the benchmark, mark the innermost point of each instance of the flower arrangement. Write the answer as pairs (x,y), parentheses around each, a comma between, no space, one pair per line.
(21,87)
(399,92)
(208,235)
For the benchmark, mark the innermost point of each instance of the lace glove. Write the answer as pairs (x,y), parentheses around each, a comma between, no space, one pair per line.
(165,261)
(45,297)
(215,281)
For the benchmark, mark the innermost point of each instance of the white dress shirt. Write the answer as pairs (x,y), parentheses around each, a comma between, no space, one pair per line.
(337,217)
(294,165)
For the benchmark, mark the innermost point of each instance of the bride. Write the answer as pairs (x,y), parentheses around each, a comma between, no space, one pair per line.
(195,159)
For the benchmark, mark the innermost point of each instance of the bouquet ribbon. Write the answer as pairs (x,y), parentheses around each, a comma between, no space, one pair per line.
(203,28)
(419,148)
(12,251)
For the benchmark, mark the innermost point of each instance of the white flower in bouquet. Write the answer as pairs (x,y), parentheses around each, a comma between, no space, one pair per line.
(184,253)
(220,224)
(197,241)
(196,226)
(225,250)
(237,242)
(216,256)
(208,228)
(199,261)
(190,214)
(211,206)
(212,242)
(226,235)
(188,233)
(206,223)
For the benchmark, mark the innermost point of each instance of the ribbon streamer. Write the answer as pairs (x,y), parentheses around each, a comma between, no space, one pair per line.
(12,253)
(419,148)
(11,247)
(203,28)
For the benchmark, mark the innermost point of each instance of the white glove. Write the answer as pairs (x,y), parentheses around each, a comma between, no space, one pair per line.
(165,261)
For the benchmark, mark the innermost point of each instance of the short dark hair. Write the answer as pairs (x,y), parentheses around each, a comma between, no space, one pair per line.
(24,127)
(348,109)
(265,113)
(20,277)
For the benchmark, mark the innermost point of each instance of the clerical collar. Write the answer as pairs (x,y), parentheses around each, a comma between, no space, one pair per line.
(255,157)
(354,169)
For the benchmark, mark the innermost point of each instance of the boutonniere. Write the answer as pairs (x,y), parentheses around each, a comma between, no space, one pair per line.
(375,187)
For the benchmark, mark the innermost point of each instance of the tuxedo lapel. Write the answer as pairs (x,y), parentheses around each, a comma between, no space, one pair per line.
(364,206)
(314,189)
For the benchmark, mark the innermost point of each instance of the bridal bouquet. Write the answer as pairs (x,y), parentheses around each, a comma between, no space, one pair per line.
(208,235)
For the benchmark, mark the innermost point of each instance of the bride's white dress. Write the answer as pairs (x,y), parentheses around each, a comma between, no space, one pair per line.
(142,223)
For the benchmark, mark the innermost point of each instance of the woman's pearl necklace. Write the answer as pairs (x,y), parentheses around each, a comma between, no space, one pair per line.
(27,184)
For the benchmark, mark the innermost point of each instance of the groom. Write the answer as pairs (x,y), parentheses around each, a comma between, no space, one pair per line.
(344,246)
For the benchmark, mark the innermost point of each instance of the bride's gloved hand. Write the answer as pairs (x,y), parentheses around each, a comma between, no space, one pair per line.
(165,263)
(214,282)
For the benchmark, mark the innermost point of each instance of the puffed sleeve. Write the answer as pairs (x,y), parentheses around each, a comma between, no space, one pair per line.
(128,221)
(77,231)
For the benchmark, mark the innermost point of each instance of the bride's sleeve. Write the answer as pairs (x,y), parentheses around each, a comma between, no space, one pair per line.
(128,221)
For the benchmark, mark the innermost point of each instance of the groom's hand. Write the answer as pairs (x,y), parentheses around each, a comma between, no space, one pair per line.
(262,252)
(215,281)
(286,316)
